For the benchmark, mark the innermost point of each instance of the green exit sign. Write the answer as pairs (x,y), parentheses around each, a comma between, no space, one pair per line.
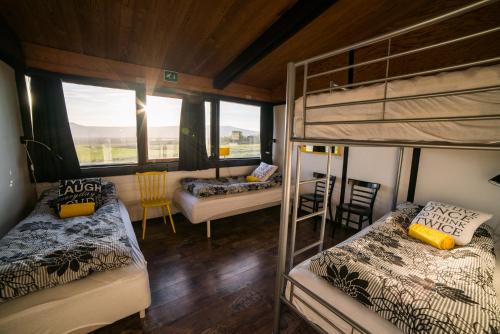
(170,76)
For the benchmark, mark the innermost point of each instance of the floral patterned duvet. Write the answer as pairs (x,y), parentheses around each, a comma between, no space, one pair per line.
(226,185)
(418,288)
(43,251)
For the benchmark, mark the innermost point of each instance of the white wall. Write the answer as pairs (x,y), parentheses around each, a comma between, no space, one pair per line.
(16,192)
(128,190)
(460,177)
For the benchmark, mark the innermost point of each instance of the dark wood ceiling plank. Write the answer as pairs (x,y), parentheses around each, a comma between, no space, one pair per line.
(294,19)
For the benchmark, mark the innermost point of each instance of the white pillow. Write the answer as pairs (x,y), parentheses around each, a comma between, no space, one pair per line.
(453,220)
(264,171)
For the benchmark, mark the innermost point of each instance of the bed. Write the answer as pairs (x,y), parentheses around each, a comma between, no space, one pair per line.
(477,95)
(86,304)
(451,107)
(204,209)
(365,318)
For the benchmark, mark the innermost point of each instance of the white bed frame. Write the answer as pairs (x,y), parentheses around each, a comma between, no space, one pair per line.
(282,277)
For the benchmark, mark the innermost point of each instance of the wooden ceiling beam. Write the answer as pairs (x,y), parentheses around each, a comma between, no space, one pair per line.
(292,21)
(71,63)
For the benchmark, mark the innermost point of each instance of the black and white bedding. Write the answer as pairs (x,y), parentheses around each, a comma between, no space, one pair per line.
(418,288)
(226,185)
(43,251)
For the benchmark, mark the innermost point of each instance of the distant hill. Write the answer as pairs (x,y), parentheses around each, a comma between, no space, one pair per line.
(95,132)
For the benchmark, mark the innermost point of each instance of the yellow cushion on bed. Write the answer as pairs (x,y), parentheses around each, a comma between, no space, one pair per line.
(251,178)
(431,236)
(78,209)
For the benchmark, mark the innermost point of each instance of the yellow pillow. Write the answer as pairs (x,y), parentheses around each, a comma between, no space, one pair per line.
(431,236)
(78,209)
(251,178)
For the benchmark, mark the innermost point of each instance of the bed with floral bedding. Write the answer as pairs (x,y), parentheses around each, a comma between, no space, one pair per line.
(43,251)
(418,288)
(227,185)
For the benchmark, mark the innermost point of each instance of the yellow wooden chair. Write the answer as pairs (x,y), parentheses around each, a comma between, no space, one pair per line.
(153,190)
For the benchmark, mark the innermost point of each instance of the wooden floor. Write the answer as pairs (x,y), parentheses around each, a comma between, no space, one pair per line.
(217,286)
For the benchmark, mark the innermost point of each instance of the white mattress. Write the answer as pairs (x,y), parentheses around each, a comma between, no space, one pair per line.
(469,131)
(344,303)
(84,305)
(199,210)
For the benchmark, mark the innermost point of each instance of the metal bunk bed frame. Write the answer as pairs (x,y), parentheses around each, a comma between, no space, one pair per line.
(282,278)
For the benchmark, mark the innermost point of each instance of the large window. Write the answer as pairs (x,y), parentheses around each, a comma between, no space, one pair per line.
(103,124)
(239,130)
(163,118)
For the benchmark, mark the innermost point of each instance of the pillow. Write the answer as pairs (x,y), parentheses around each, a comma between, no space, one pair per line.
(251,178)
(453,220)
(264,171)
(80,191)
(77,209)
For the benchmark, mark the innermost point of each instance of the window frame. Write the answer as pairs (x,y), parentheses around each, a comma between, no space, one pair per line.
(143,163)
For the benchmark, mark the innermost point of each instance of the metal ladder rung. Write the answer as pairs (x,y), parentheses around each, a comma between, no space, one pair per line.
(313,181)
(302,250)
(314,214)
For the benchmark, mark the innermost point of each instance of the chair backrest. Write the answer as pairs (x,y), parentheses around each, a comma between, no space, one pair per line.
(152,185)
(363,193)
(320,186)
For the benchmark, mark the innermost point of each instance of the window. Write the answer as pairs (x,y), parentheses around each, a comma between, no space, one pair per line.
(163,118)
(239,130)
(103,123)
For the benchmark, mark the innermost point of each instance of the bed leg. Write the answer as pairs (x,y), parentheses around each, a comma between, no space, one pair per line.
(142,314)
(209,232)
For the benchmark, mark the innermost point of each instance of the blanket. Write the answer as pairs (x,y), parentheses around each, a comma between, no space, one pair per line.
(43,251)
(226,185)
(419,288)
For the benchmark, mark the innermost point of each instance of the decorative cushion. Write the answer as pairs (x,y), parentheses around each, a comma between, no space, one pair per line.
(80,191)
(453,220)
(264,171)
(77,209)
(251,178)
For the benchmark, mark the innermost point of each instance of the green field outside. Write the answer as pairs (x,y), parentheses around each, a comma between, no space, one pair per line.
(112,154)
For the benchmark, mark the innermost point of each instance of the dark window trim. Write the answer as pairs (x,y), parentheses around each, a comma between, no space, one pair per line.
(155,165)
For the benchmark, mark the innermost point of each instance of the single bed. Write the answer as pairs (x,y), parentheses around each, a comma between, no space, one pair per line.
(353,114)
(367,319)
(86,304)
(204,209)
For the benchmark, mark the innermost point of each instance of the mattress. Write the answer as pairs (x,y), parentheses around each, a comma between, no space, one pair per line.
(84,305)
(199,210)
(344,303)
(462,105)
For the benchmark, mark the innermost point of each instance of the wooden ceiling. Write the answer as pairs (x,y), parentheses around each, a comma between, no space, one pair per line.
(202,37)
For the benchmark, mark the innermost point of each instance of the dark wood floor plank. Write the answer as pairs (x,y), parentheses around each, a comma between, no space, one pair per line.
(216,286)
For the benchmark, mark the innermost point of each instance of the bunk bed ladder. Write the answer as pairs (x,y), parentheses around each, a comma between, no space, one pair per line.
(322,212)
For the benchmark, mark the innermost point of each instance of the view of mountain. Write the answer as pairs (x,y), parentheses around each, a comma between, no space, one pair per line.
(82,131)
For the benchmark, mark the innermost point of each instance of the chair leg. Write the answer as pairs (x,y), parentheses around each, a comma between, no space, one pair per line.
(316,208)
(171,219)
(163,213)
(360,223)
(144,219)
(209,231)
(370,219)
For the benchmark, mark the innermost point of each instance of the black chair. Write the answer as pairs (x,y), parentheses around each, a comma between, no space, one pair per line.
(314,201)
(363,195)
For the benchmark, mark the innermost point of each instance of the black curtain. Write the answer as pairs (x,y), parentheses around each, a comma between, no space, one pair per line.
(192,148)
(51,127)
(266,133)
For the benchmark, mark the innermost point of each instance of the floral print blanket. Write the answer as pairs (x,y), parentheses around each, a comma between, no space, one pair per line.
(43,251)
(226,185)
(418,288)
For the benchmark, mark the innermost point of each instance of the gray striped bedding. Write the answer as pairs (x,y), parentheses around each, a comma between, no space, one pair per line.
(418,288)
(43,251)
